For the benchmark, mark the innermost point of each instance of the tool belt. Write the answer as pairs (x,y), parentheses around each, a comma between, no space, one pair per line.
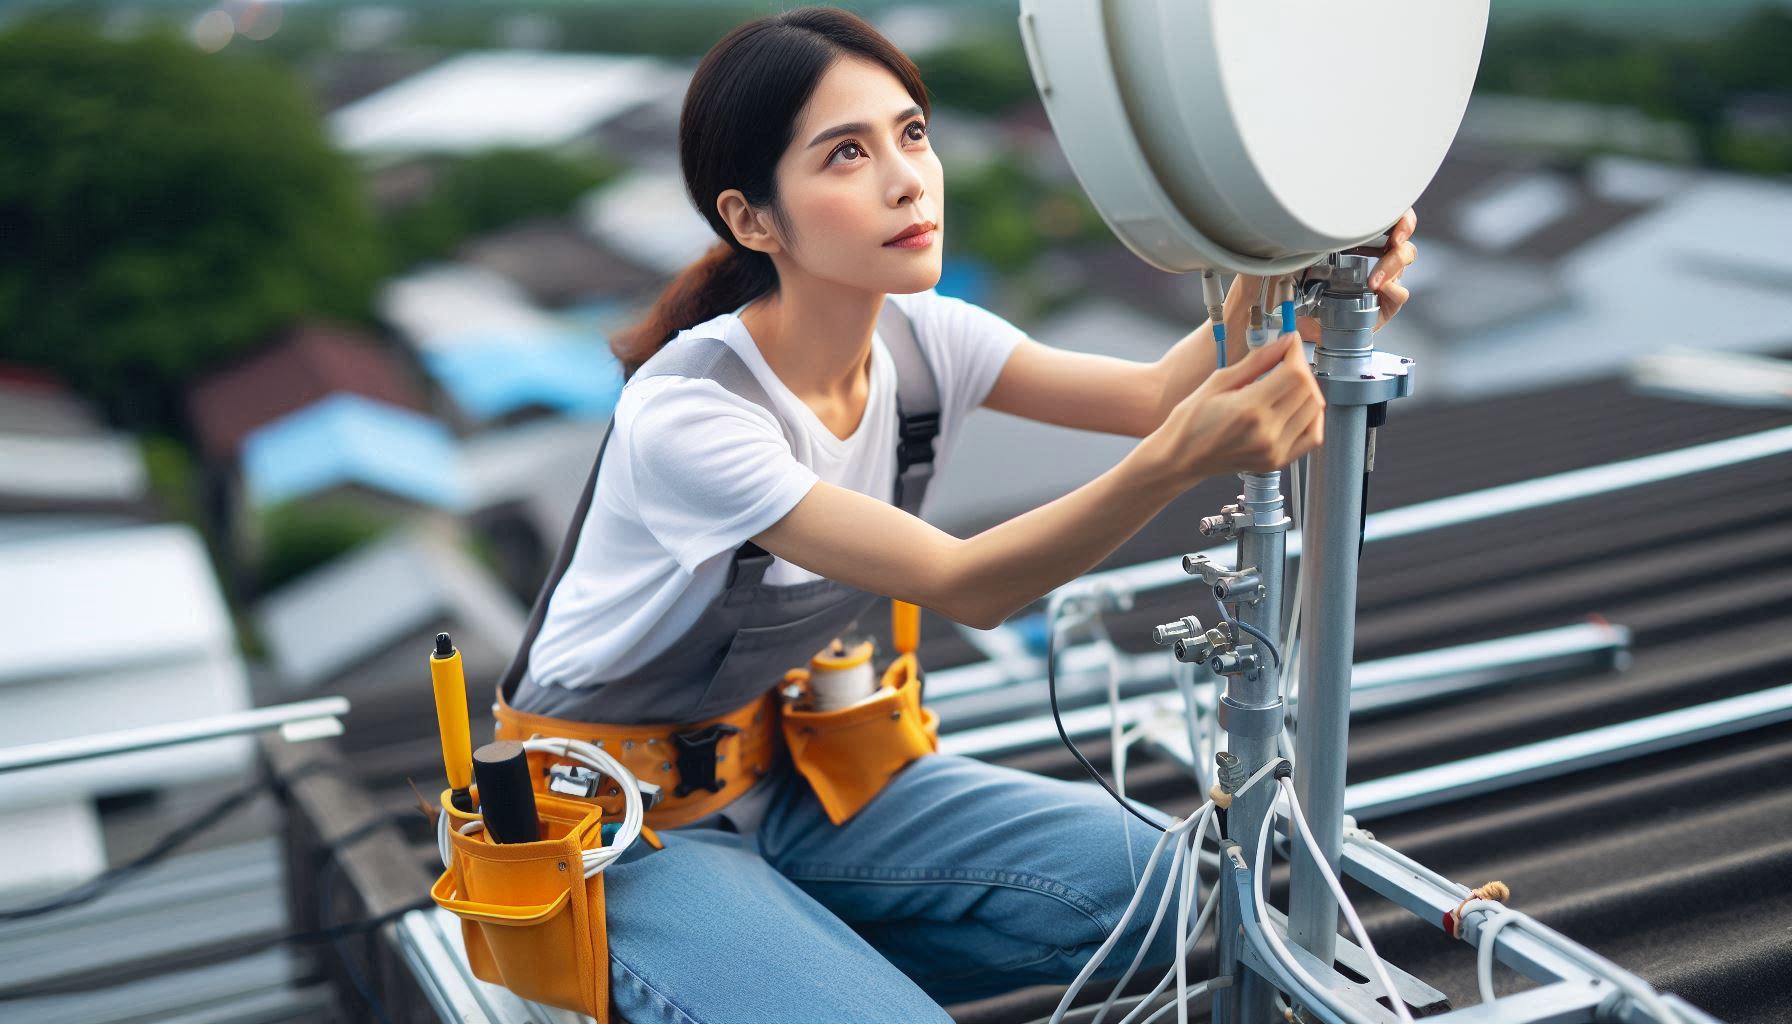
(848,755)
(698,768)
(530,919)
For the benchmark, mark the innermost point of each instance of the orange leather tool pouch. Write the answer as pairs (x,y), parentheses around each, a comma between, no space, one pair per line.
(531,920)
(849,754)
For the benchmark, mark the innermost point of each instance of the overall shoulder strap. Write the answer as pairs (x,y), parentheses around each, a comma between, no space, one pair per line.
(519,661)
(917,408)
(707,358)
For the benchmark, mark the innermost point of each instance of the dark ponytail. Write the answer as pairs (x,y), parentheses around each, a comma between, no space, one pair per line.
(739,116)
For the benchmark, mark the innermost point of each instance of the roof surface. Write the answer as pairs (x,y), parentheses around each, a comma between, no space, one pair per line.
(377,595)
(1671,864)
(575,375)
(306,364)
(345,440)
(499,98)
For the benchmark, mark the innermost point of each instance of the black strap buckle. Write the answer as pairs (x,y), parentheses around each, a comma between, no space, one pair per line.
(917,433)
(696,751)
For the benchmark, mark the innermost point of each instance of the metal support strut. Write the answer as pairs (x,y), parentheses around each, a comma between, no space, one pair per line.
(1352,378)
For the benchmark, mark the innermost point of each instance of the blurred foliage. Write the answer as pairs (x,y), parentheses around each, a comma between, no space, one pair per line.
(488,191)
(164,209)
(172,478)
(983,74)
(1005,215)
(1681,78)
(297,537)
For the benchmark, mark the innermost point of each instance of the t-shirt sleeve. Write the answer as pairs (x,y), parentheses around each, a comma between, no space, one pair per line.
(967,344)
(711,470)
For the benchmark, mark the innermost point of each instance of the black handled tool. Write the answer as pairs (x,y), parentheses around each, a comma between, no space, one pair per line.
(505,798)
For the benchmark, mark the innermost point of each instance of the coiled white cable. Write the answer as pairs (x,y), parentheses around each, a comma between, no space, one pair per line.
(634,812)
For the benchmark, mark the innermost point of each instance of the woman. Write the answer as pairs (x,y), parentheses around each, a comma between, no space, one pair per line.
(757,503)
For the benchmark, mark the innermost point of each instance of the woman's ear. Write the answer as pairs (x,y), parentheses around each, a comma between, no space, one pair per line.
(751,228)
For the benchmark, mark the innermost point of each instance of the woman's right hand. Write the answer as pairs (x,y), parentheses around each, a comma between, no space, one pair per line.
(1236,423)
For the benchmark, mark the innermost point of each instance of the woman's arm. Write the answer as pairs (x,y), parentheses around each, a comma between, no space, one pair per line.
(855,539)
(1120,396)
(1234,421)
(1112,395)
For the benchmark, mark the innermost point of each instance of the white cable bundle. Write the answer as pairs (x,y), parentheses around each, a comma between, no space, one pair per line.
(634,813)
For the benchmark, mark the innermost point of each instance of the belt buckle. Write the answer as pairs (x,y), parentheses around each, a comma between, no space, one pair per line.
(696,754)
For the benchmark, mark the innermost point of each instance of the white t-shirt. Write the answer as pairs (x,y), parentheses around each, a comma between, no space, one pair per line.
(694,471)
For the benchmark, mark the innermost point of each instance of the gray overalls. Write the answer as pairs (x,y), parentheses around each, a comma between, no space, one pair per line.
(752,632)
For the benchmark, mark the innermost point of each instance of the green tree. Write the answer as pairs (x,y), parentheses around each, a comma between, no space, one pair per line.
(164,209)
(984,74)
(490,190)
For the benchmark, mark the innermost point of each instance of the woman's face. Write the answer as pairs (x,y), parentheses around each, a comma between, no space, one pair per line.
(859,171)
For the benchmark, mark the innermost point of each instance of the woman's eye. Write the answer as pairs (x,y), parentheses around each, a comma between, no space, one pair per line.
(850,145)
(922,127)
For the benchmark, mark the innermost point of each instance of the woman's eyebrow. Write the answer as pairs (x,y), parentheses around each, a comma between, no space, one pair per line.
(857,127)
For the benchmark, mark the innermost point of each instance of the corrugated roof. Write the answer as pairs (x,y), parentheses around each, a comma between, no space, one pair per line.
(1671,864)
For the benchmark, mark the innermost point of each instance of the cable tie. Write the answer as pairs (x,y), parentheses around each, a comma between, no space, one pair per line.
(1496,891)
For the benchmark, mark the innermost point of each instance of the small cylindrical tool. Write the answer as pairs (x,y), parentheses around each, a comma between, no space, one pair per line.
(450,685)
(506,800)
(841,676)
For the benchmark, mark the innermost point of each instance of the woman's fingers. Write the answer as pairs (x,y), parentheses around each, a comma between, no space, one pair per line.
(1392,298)
(1408,223)
(1394,261)
(1246,370)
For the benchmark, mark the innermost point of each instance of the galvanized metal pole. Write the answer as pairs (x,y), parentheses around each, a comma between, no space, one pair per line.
(1351,380)
(1253,703)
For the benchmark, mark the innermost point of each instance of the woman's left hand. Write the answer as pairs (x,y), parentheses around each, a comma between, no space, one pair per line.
(1399,254)
(1384,280)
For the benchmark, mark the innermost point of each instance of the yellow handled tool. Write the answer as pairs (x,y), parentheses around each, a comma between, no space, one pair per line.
(905,626)
(450,683)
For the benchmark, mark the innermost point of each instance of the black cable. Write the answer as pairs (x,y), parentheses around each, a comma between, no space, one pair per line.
(1051,689)
(1258,633)
(1362,521)
(100,884)
(326,853)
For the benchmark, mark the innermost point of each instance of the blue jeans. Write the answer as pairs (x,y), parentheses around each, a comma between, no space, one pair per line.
(960,880)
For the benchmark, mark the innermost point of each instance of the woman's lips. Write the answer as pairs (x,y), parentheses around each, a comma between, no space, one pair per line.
(920,241)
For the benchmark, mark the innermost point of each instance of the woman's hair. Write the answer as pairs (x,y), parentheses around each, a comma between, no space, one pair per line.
(739,116)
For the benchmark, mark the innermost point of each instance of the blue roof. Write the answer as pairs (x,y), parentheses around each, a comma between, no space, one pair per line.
(349,439)
(488,378)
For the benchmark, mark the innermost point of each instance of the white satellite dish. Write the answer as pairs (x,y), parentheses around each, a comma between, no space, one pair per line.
(1252,135)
